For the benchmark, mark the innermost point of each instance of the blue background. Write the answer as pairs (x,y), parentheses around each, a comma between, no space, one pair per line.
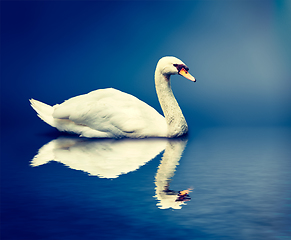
(240,54)
(238,51)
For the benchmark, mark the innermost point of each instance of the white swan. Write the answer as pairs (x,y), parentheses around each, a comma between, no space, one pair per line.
(110,113)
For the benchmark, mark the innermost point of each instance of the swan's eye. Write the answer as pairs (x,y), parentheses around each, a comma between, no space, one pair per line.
(181,67)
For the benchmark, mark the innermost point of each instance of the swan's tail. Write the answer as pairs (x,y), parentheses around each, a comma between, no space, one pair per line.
(44,111)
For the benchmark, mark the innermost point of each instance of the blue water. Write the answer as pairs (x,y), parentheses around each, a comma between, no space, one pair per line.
(236,158)
(240,178)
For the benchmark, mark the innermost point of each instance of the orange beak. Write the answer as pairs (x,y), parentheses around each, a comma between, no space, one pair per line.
(187,75)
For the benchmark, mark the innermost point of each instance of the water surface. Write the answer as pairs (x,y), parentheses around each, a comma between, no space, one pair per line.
(240,179)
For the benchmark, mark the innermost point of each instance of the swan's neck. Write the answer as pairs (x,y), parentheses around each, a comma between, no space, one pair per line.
(176,122)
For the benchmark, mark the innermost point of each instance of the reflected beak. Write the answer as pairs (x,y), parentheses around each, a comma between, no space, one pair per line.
(183,195)
(185,192)
(187,75)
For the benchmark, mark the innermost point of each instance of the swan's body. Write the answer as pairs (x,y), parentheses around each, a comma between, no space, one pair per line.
(110,113)
(104,113)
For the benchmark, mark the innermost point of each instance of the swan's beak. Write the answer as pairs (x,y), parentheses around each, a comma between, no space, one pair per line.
(187,75)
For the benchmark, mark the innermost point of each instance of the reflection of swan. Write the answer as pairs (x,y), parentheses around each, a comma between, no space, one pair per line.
(109,113)
(111,158)
(166,197)
(103,158)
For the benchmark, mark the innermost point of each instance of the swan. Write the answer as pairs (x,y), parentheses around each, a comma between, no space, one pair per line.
(110,113)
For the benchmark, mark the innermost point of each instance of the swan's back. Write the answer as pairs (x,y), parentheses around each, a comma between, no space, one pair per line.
(109,113)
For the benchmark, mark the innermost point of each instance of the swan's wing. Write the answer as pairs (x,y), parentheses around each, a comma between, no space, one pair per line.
(113,112)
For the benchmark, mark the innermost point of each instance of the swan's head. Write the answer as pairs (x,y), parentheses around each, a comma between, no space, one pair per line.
(172,65)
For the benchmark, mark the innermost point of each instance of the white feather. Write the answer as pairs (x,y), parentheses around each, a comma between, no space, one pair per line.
(44,111)
(110,113)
